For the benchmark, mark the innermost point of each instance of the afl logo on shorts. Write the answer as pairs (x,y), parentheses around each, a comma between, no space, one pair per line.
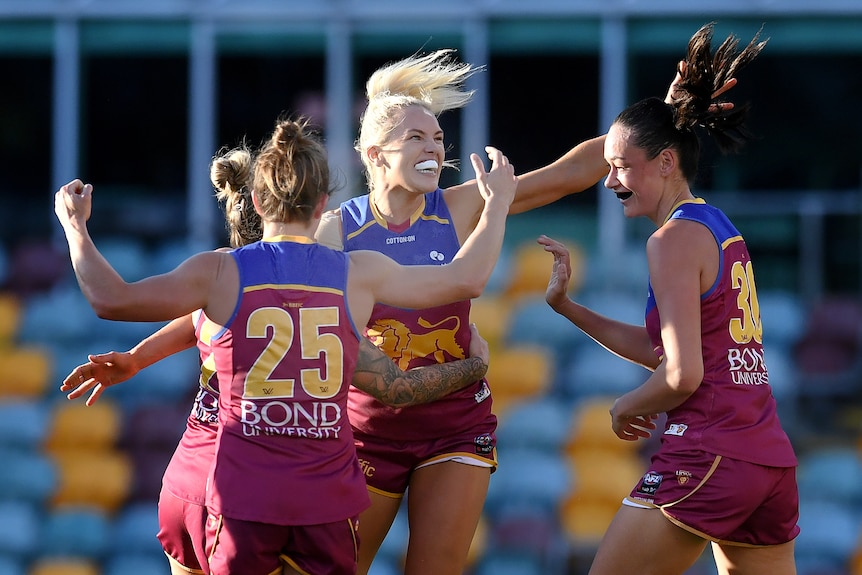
(649,484)
(484,444)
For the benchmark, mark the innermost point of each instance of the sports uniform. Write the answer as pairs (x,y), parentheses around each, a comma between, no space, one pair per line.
(182,501)
(725,469)
(459,426)
(285,482)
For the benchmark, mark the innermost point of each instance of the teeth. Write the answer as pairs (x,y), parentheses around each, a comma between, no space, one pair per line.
(427,165)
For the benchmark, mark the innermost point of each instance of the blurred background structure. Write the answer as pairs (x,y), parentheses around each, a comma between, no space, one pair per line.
(136,96)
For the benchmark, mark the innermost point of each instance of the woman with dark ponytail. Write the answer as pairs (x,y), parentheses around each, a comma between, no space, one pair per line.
(725,473)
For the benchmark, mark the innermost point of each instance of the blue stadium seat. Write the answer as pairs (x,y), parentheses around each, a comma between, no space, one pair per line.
(137,563)
(594,371)
(830,533)
(542,423)
(832,474)
(532,321)
(134,530)
(11,566)
(23,423)
(19,529)
(76,531)
(527,479)
(27,475)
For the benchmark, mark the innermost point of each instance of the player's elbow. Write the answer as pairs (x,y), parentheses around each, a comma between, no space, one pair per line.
(686,379)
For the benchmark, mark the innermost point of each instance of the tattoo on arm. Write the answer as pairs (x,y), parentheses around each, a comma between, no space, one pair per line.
(378,376)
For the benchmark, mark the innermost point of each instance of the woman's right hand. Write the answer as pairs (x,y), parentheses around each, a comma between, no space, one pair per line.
(500,183)
(102,371)
(73,203)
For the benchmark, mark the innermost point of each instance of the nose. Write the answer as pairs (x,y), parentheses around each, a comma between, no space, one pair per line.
(611,180)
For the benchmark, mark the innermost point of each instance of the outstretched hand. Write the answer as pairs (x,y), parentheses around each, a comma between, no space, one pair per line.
(501,182)
(102,371)
(73,203)
(673,90)
(556,293)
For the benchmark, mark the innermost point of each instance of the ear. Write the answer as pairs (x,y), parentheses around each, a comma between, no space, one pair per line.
(667,161)
(321,207)
(373,153)
(256,203)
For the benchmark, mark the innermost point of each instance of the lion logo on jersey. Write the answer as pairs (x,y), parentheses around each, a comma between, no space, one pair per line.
(402,345)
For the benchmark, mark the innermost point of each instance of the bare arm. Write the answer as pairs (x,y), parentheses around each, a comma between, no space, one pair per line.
(157,298)
(626,340)
(106,369)
(377,375)
(374,277)
(683,261)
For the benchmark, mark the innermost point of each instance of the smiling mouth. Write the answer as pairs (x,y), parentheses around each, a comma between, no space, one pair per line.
(427,167)
(623,196)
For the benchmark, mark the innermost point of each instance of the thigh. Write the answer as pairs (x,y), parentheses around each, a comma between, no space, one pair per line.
(644,541)
(444,505)
(739,560)
(374,524)
(182,533)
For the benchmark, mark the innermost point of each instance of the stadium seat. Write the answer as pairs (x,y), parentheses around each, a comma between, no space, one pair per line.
(27,475)
(511,563)
(11,566)
(533,322)
(10,317)
(134,530)
(602,475)
(530,269)
(838,467)
(25,371)
(537,423)
(517,374)
(19,528)
(594,371)
(584,522)
(76,531)
(23,423)
(75,425)
(137,564)
(782,314)
(491,314)
(591,427)
(829,533)
(527,479)
(89,477)
(64,566)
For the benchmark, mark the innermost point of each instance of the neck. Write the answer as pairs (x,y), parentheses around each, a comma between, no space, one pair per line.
(396,206)
(306,229)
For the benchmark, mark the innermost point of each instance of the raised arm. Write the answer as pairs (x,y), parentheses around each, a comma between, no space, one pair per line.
(376,278)
(377,375)
(157,298)
(106,369)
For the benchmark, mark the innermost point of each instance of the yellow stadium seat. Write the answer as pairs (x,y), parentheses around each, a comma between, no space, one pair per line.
(78,426)
(64,566)
(591,428)
(531,269)
(491,315)
(10,316)
(102,479)
(25,371)
(518,373)
(585,521)
(605,475)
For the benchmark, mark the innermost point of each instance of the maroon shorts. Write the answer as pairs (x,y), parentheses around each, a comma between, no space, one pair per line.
(253,548)
(182,532)
(721,499)
(388,464)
